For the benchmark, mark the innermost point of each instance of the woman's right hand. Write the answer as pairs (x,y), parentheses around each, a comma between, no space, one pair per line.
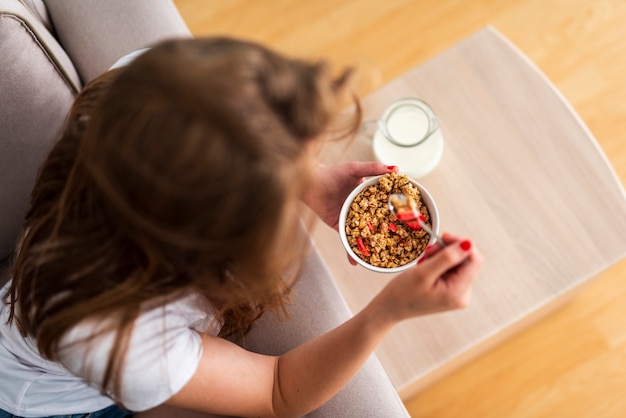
(441,281)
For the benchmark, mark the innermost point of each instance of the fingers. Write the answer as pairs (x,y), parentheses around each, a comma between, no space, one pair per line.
(442,282)
(433,249)
(440,260)
(448,238)
(351,260)
(452,270)
(370,168)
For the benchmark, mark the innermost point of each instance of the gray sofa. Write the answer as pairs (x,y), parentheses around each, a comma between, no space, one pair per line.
(48,51)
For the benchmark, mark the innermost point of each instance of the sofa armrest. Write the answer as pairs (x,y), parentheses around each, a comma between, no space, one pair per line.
(37,83)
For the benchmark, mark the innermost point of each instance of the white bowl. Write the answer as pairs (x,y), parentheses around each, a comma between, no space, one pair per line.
(426,198)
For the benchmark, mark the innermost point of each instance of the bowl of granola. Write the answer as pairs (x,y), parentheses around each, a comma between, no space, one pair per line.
(373,236)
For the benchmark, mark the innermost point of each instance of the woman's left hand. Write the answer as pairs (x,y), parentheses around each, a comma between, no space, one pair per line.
(332,184)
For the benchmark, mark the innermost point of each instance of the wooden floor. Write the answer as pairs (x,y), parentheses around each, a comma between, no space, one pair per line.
(573,363)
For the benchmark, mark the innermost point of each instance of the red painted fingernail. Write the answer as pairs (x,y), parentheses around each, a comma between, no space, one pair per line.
(421,259)
(466,245)
(392,167)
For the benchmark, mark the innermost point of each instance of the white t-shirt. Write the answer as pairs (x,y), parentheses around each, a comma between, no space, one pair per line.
(164,353)
(128,58)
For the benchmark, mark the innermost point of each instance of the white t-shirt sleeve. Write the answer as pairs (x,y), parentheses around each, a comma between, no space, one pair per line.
(164,352)
(128,58)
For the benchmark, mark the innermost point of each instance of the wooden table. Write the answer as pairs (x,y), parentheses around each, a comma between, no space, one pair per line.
(522,176)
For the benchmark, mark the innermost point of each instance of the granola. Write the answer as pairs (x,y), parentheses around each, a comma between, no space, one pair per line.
(375,234)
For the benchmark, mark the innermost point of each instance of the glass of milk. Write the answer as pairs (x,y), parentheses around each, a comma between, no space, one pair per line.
(408,136)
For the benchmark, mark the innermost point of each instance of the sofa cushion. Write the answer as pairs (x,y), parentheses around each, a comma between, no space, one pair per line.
(81,26)
(37,86)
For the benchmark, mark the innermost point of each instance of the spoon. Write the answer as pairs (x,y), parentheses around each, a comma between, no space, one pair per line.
(405,209)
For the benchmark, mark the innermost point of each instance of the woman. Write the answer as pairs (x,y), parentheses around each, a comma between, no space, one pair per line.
(165,219)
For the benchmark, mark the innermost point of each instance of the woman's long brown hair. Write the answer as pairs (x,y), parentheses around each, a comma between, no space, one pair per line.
(180,172)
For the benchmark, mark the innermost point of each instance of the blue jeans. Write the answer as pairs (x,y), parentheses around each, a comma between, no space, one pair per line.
(112,411)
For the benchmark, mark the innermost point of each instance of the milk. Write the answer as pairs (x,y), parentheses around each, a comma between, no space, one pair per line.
(407,125)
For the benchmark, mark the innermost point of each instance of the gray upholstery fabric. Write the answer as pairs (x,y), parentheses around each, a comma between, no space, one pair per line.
(317,308)
(127,25)
(37,86)
(38,9)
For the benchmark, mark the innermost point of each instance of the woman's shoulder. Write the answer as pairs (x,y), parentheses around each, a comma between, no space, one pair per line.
(157,318)
(165,345)
(189,309)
